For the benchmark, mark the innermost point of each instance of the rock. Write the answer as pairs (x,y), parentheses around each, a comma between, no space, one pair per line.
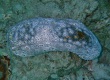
(1,75)
(18,8)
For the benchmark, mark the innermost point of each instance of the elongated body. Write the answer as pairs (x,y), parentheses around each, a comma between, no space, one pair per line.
(40,35)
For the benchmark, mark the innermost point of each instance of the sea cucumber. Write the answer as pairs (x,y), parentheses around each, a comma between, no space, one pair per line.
(41,35)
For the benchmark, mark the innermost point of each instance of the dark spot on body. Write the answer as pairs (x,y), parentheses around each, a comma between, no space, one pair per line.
(81,35)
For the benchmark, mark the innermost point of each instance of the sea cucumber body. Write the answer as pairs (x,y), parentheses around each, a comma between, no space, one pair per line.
(40,35)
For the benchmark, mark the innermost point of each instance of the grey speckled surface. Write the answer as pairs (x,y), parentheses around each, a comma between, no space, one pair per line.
(41,35)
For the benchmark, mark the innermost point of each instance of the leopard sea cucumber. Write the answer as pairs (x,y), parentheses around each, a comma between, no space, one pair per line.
(41,35)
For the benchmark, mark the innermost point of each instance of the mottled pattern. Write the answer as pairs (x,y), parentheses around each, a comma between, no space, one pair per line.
(40,35)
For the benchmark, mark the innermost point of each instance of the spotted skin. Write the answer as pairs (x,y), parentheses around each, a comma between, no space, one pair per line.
(40,35)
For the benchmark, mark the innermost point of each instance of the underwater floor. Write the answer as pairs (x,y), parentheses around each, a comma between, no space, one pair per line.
(95,14)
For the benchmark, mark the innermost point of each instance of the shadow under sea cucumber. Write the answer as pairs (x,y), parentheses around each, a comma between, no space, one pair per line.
(40,35)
